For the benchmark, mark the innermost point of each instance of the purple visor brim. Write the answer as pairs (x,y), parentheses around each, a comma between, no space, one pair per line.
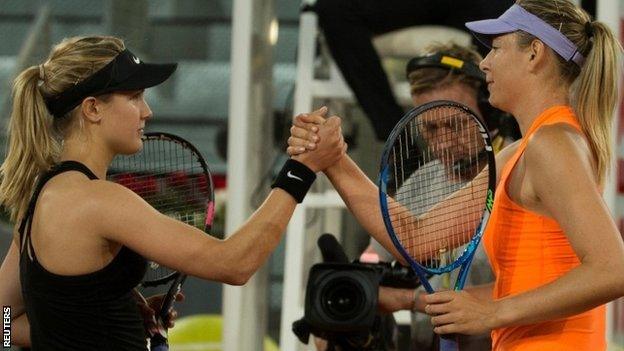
(517,18)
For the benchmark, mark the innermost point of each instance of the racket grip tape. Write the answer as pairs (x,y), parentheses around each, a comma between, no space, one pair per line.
(449,342)
(158,343)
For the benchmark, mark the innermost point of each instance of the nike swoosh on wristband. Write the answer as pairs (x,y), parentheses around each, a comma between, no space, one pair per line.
(290,175)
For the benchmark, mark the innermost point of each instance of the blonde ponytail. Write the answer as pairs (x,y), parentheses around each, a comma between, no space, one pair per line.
(596,94)
(35,137)
(595,85)
(32,147)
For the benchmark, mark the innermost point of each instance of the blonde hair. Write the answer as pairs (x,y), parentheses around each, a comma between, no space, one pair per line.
(35,137)
(429,78)
(595,85)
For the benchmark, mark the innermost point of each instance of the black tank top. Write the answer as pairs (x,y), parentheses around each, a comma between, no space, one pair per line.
(94,311)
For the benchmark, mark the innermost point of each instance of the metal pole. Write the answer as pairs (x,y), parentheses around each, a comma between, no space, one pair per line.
(249,128)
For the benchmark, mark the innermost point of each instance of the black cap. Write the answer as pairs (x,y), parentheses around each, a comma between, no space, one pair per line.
(441,60)
(124,72)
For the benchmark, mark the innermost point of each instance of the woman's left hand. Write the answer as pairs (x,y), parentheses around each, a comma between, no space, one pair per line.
(460,312)
(150,306)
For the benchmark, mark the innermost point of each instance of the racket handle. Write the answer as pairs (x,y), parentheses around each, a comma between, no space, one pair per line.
(174,289)
(158,343)
(449,342)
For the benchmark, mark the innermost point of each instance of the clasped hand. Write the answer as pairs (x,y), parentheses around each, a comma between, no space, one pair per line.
(316,141)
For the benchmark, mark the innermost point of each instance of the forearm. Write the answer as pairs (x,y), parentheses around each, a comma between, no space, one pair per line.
(250,246)
(394,299)
(20,331)
(581,289)
(361,196)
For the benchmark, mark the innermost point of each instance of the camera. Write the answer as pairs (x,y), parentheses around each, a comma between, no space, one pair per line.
(341,300)
(341,297)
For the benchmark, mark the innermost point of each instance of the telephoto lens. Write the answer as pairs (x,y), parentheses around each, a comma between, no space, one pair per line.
(341,297)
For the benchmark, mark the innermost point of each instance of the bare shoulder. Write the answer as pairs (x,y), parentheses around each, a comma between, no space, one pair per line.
(117,212)
(559,150)
(70,188)
(112,197)
(89,204)
(107,190)
(559,143)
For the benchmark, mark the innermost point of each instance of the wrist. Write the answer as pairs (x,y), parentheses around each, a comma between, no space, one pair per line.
(295,178)
(417,303)
(334,169)
(305,160)
(502,314)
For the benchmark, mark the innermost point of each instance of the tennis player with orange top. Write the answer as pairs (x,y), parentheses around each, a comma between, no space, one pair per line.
(554,248)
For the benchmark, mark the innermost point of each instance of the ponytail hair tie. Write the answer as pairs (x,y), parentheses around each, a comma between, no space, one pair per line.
(41,72)
(589,29)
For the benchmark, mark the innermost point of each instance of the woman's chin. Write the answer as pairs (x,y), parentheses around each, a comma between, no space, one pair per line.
(131,150)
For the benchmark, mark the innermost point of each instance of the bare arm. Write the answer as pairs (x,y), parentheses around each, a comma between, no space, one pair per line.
(361,196)
(362,199)
(11,295)
(393,299)
(20,331)
(185,248)
(452,221)
(132,222)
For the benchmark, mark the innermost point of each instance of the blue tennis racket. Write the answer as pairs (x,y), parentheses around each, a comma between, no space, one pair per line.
(436,189)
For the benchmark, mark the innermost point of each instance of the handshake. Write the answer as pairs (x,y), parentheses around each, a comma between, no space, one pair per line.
(316,141)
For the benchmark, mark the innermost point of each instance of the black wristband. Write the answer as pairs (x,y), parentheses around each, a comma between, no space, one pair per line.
(295,178)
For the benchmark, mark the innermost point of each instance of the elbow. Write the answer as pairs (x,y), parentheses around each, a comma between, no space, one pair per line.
(237,281)
(617,288)
(616,270)
(619,282)
(238,277)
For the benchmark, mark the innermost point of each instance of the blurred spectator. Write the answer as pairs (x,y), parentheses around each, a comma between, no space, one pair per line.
(349,26)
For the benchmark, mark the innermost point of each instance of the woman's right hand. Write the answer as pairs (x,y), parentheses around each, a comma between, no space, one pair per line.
(330,145)
(304,132)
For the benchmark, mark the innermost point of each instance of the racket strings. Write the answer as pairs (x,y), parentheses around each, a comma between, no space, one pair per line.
(439,187)
(169,177)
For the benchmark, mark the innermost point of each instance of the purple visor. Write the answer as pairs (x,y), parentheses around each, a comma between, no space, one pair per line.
(517,18)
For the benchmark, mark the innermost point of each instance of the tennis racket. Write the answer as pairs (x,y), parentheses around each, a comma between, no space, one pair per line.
(436,190)
(172,176)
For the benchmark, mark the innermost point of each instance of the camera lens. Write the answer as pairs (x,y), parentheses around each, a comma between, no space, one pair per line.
(342,299)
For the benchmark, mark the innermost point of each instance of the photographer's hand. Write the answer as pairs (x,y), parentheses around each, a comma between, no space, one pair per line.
(320,344)
(392,300)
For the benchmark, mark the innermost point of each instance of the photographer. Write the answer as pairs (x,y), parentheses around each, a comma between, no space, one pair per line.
(342,297)
(431,78)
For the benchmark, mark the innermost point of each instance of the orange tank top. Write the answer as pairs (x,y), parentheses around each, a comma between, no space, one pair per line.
(527,250)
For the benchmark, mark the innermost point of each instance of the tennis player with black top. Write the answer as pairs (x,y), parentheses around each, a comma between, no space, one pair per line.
(81,242)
